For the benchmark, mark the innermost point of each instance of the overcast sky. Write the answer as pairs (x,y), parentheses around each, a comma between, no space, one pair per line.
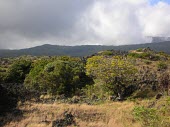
(27,23)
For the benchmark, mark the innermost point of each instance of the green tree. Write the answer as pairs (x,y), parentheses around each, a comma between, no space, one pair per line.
(116,72)
(18,71)
(64,75)
(32,79)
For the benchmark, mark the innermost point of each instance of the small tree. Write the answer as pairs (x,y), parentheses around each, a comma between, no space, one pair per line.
(116,72)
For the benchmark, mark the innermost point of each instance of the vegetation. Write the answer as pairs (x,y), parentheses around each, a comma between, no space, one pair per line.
(154,114)
(117,73)
(162,66)
(18,71)
(103,77)
(148,116)
(64,75)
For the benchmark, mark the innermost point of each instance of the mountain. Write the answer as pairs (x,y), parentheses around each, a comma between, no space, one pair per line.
(84,50)
(160,39)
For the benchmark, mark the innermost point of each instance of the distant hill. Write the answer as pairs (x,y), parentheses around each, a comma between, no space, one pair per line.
(84,50)
(160,39)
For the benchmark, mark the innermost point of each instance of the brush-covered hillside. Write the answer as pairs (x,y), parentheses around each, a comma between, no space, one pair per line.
(107,89)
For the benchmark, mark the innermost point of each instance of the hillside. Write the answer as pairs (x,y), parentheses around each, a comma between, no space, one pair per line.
(107,89)
(84,50)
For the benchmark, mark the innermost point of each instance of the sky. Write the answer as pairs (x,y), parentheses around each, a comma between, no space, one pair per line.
(28,23)
(156,1)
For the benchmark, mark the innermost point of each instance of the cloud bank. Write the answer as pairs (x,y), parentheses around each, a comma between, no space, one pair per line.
(27,23)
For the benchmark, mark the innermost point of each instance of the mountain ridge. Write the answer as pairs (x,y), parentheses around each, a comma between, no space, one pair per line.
(80,50)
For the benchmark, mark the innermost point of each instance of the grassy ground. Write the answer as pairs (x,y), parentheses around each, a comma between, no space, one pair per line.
(115,114)
(136,113)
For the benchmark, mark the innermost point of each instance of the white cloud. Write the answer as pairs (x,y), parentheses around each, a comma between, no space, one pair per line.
(155,20)
(125,22)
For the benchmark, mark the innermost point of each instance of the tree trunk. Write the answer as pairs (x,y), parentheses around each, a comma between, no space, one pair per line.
(120,96)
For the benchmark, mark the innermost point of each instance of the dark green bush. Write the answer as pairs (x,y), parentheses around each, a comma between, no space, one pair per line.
(8,100)
(64,75)
(18,71)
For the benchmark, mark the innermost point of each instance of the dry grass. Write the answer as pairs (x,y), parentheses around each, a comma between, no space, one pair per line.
(115,114)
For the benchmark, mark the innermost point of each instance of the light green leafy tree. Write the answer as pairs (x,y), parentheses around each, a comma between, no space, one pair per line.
(116,72)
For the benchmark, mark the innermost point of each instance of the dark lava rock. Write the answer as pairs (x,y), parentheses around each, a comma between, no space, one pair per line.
(158,96)
(68,120)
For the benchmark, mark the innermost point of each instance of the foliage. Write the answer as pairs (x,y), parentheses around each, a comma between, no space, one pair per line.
(140,55)
(8,100)
(144,93)
(2,76)
(97,90)
(18,71)
(154,113)
(147,83)
(32,78)
(145,55)
(164,82)
(107,53)
(148,116)
(64,75)
(139,50)
(162,66)
(116,72)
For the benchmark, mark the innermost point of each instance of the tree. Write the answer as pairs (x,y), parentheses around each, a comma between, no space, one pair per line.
(116,72)
(64,75)
(32,79)
(18,71)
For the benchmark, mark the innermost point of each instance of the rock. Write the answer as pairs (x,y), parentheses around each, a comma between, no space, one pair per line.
(68,120)
(159,95)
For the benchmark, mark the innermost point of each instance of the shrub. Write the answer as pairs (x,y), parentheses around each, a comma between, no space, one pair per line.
(145,55)
(139,50)
(107,53)
(8,100)
(65,75)
(136,55)
(162,66)
(140,55)
(147,116)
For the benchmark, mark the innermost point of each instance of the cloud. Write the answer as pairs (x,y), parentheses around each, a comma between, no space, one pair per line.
(155,20)
(38,21)
(26,23)
(118,22)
